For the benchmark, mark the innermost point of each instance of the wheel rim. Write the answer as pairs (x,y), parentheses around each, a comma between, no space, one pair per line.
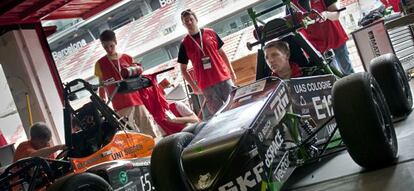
(381,112)
(403,81)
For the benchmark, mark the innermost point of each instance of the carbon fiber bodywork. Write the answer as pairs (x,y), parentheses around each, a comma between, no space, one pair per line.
(257,139)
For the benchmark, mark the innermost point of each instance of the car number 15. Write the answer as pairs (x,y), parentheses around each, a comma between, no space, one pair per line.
(146,183)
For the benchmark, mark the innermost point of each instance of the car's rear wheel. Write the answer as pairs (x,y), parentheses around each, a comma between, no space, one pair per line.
(166,166)
(80,182)
(364,121)
(393,80)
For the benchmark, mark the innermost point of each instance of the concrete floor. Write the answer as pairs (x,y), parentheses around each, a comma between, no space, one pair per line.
(341,173)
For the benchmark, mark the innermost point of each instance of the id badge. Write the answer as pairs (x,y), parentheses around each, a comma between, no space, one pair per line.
(206,62)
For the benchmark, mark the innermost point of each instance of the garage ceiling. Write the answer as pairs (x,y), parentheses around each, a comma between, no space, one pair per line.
(31,11)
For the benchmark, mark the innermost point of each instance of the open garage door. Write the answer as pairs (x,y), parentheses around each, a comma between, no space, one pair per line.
(25,56)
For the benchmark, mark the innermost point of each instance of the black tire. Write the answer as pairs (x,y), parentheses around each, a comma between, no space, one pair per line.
(364,121)
(194,128)
(166,166)
(393,80)
(82,181)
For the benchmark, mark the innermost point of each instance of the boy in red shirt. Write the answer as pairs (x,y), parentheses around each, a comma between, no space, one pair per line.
(38,144)
(108,69)
(213,71)
(277,54)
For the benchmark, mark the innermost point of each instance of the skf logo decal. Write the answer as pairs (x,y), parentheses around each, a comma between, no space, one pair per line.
(249,180)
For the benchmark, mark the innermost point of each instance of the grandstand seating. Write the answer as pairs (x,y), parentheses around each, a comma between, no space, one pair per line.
(138,34)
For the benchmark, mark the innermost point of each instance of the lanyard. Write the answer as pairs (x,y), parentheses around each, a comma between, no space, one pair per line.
(118,64)
(112,95)
(201,41)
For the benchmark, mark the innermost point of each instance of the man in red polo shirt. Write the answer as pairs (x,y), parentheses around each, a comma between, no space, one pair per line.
(108,69)
(213,71)
(329,34)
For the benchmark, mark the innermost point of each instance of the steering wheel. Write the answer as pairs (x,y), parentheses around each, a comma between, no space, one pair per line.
(63,154)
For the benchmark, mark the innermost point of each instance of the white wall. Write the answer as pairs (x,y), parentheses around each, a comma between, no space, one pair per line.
(10,123)
(27,71)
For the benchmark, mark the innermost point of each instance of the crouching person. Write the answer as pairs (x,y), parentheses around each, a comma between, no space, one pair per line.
(180,113)
(38,145)
(171,117)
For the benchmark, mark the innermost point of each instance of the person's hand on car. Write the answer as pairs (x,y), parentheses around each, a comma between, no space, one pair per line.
(60,147)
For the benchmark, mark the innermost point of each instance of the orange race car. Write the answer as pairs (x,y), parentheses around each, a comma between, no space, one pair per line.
(104,153)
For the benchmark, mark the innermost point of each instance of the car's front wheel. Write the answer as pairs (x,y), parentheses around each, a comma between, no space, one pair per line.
(364,121)
(166,166)
(194,128)
(81,181)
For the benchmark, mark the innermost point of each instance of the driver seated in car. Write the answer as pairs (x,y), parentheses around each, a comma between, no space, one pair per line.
(277,55)
(38,145)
